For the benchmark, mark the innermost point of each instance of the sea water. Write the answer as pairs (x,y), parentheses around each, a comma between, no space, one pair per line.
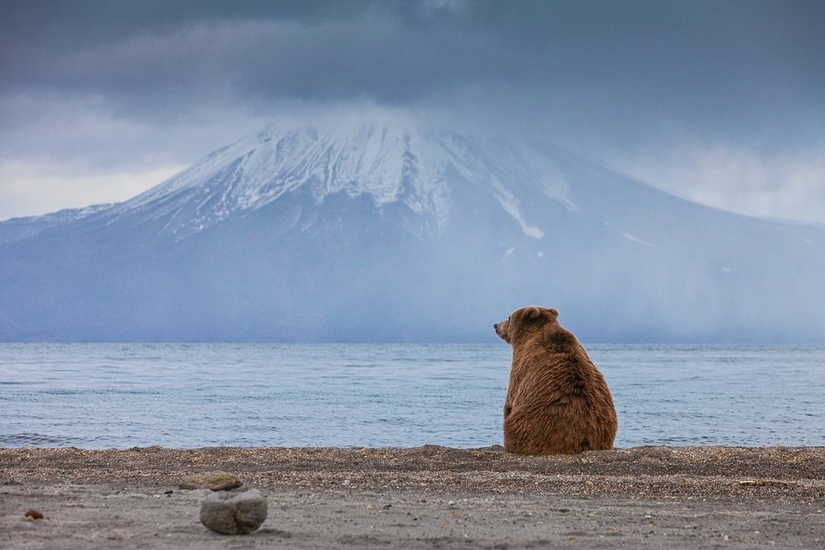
(195,395)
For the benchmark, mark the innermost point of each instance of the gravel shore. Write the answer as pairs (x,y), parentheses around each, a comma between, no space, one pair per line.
(423,497)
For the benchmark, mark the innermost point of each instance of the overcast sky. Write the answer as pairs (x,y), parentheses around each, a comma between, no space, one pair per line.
(720,101)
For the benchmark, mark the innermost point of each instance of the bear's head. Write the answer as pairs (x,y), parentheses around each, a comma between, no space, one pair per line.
(524,322)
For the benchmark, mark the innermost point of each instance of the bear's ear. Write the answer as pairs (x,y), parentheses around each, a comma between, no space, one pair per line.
(554,313)
(531,313)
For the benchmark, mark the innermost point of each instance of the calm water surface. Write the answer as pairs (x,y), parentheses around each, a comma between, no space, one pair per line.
(180,395)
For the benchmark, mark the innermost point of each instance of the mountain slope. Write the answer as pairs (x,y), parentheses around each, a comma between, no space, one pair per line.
(392,233)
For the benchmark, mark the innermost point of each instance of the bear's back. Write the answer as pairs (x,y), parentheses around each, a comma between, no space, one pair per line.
(553,367)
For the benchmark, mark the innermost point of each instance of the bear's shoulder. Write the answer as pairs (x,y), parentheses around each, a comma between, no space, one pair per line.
(557,338)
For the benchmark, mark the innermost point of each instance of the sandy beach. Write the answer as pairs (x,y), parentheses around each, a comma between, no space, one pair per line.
(423,497)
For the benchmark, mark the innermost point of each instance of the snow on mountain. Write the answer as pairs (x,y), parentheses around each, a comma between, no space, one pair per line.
(22,228)
(392,231)
(388,164)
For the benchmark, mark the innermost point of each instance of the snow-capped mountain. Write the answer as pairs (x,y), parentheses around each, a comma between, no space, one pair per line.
(387,164)
(396,232)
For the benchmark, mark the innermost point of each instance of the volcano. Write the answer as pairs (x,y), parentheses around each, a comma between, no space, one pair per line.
(395,233)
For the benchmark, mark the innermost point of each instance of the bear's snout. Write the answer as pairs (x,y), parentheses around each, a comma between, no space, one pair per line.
(501,330)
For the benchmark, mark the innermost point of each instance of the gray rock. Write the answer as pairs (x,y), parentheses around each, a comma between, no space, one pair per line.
(234,513)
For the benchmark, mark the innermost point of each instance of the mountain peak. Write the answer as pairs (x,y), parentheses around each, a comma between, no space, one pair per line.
(388,163)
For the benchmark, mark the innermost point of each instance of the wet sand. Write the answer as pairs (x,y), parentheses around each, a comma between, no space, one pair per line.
(423,497)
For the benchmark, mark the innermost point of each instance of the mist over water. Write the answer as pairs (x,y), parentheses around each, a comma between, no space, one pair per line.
(194,395)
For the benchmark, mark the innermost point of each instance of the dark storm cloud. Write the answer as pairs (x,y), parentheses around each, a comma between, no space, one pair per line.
(711,66)
(726,94)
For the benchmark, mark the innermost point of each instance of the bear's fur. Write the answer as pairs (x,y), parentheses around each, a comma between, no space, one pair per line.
(557,400)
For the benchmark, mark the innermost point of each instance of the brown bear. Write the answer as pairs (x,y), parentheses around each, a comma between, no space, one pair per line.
(557,400)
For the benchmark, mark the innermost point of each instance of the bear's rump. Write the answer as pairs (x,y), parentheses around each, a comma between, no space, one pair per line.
(564,425)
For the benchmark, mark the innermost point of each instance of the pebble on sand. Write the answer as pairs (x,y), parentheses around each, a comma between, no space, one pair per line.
(234,513)
(33,514)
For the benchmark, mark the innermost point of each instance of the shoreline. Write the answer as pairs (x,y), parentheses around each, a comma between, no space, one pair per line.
(420,497)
